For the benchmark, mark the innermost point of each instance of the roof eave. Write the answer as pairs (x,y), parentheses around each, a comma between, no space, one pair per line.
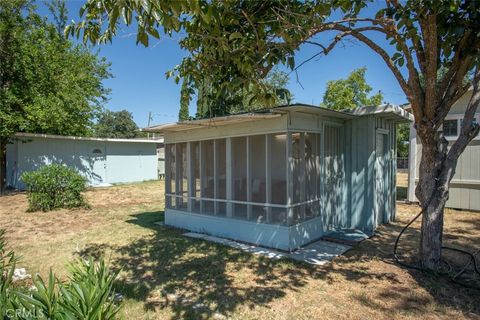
(387,111)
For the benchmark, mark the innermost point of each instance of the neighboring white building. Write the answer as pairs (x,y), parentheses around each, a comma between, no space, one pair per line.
(465,185)
(101,161)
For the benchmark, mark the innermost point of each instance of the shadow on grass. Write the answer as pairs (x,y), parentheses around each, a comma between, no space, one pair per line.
(196,278)
(441,290)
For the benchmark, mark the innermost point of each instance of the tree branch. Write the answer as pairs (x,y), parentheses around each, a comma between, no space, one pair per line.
(381,52)
(455,86)
(429,32)
(456,62)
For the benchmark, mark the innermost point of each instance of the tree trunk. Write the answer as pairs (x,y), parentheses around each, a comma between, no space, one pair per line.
(3,167)
(432,233)
(432,191)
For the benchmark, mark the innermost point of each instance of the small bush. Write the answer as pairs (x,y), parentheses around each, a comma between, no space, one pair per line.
(54,186)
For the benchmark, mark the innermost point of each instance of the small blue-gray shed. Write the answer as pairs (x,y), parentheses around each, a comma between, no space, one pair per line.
(282,177)
(285,176)
(102,161)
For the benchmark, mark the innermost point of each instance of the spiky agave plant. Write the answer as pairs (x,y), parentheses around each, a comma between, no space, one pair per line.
(89,294)
(7,267)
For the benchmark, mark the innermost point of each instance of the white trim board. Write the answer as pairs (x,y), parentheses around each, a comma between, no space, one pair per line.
(53,136)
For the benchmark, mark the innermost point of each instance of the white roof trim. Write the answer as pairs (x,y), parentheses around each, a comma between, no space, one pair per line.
(211,122)
(386,110)
(53,136)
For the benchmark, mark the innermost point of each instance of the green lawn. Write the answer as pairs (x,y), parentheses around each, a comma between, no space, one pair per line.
(167,276)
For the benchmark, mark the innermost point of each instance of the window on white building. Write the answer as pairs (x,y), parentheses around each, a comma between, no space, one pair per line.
(450,128)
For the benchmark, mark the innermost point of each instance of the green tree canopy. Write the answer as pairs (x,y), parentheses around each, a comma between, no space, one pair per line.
(350,93)
(47,83)
(403,138)
(116,124)
(234,45)
(212,103)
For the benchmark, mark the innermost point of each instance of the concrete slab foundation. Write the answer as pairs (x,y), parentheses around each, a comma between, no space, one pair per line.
(317,253)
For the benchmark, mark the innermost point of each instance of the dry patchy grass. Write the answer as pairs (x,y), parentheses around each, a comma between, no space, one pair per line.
(167,276)
(402,179)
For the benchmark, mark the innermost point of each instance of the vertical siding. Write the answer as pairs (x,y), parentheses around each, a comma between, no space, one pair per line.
(465,185)
(358,164)
(334,177)
(361,169)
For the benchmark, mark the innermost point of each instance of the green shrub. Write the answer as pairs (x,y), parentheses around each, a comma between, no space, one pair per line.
(54,186)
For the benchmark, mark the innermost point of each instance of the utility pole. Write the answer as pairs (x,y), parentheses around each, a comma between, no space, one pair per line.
(148,125)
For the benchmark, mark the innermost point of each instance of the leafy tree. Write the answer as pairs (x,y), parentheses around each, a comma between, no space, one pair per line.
(47,84)
(350,93)
(276,83)
(403,137)
(184,114)
(235,44)
(116,124)
(211,102)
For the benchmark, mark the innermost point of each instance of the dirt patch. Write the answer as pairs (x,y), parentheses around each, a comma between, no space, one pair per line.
(33,226)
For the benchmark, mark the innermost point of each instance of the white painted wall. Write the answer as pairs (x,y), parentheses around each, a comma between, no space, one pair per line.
(465,185)
(119,162)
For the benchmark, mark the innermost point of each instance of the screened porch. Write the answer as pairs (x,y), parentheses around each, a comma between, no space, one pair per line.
(272,178)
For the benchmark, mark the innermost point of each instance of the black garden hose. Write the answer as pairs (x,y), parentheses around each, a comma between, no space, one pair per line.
(454,278)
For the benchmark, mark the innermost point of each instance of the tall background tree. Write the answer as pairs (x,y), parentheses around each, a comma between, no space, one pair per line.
(184,113)
(213,102)
(47,84)
(353,92)
(350,93)
(235,44)
(116,124)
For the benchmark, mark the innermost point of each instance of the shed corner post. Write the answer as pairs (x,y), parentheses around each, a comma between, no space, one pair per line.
(393,173)
(412,164)
(347,181)
(178,181)
(201,150)
(289,178)
(215,177)
(229,178)
(168,185)
(303,176)
(189,177)
(371,146)
(268,176)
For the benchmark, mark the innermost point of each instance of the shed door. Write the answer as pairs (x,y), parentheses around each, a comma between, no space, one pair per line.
(333,176)
(380,178)
(99,165)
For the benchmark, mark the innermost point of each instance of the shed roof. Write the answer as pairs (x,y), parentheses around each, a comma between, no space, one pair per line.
(387,110)
(53,136)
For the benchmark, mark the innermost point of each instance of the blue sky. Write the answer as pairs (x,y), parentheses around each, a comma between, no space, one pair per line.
(139,84)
